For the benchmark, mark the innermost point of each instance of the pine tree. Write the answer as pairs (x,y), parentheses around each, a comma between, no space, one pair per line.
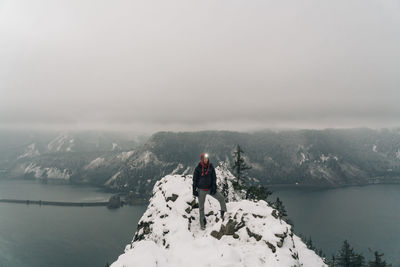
(240,166)
(358,260)
(278,205)
(378,261)
(310,244)
(257,193)
(348,258)
(345,255)
(333,261)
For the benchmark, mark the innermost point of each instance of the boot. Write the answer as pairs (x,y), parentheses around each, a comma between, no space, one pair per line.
(222,214)
(203,227)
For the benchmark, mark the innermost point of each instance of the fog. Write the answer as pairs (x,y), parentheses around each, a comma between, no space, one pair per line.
(194,65)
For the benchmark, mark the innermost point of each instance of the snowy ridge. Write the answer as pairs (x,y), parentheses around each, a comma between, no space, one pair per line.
(169,234)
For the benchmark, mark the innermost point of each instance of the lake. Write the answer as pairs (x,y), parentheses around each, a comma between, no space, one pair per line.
(367,216)
(40,236)
(33,235)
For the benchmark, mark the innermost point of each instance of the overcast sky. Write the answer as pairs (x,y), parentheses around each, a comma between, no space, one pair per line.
(207,64)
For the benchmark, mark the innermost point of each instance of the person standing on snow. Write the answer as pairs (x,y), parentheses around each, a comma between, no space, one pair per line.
(205,183)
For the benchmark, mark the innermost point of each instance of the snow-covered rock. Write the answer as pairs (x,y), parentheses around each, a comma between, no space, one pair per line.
(251,234)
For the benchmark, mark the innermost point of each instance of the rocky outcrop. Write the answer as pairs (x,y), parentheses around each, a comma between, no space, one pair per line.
(169,234)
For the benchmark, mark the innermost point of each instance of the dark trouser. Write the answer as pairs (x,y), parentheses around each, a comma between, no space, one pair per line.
(202,197)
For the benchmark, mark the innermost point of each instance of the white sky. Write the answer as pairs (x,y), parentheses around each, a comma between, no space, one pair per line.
(206,64)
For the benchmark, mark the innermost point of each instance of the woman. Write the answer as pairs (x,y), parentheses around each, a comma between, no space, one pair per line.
(205,183)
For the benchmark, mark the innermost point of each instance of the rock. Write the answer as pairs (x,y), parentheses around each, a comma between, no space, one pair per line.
(272,247)
(216,234)
(281,235)
(235,235)
(251,234)
(173,198)
(210,213)
(230,227)
(146,230)
(274,214)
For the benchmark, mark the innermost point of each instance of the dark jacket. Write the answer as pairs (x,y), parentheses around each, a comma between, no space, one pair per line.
(209,180)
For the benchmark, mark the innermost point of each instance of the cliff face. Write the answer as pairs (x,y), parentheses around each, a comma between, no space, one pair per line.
(169,234)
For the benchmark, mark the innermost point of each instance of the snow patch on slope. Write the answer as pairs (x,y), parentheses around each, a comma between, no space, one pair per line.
(125,155)
(398,153)
(95,163)
(59,142)
(374,148)
(31,151)
(112,179)
(52,172)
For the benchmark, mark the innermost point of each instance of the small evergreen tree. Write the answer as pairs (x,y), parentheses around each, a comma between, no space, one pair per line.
(345,255)
(240,166)
(333,261)
(278,205)
(348,258)
(257,193)
(358,260)
(378,262)
(310,244)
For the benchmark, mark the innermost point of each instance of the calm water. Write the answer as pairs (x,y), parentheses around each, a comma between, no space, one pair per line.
(367,216)
(61,236)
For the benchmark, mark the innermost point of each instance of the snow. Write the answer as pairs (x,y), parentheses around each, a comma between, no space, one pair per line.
(95,163)
(169,233)
(61,140)
(115,176)
(186,171)
(180,166)
(303,158)
(48,172)
(125,155)
(115,146)
(326,158)
(145,157)
(31,151)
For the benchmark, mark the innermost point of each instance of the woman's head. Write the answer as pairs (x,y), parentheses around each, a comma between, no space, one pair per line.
(204,158)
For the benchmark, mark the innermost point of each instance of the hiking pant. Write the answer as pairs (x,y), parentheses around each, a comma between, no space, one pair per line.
(202,197)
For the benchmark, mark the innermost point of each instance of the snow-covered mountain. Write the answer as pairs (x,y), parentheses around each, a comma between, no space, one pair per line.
(133,163)
(251,234)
